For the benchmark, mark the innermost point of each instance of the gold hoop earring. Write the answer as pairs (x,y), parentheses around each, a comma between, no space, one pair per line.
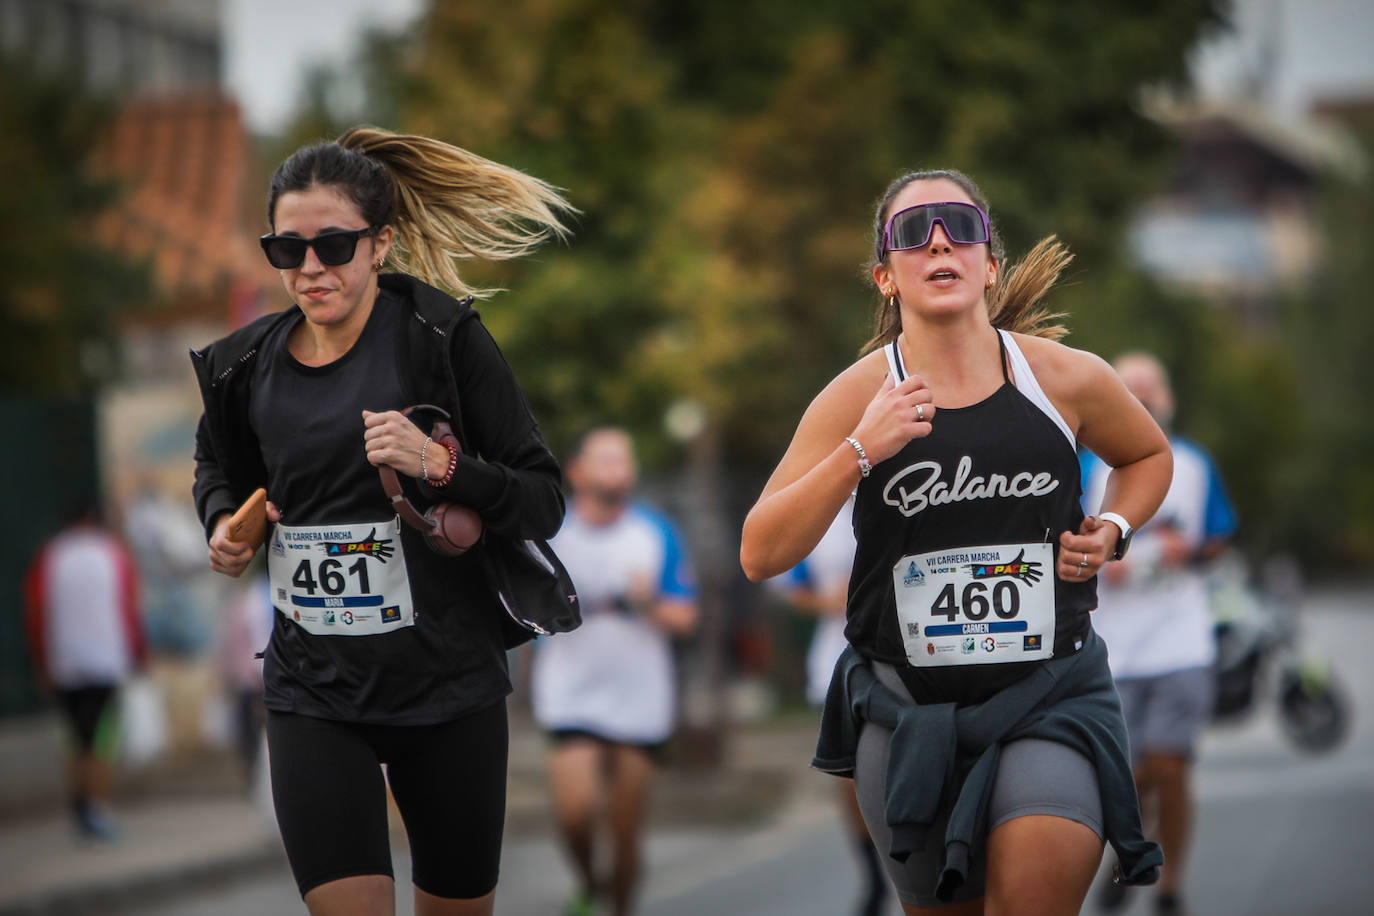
(377,267)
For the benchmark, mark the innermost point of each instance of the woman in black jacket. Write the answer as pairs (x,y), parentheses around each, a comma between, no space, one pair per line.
(383,650)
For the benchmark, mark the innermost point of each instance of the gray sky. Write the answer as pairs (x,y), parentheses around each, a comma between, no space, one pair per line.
(1318,46)
(269,45)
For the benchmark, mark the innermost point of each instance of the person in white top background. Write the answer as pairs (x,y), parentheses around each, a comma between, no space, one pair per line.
(1153,614)
(86,636)
(819,585)
(605,692)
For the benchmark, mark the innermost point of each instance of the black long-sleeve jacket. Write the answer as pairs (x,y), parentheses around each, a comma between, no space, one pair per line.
(454,662)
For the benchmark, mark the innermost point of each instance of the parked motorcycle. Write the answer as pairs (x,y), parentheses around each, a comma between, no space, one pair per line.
(1259,658)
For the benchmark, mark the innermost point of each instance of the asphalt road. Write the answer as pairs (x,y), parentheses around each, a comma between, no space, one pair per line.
(1279,832)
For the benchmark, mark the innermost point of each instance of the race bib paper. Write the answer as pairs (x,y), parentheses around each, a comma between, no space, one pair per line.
(341,580)
(976,605)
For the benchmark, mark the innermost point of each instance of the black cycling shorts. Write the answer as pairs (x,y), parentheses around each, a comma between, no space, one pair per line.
(85,707)
(449,782)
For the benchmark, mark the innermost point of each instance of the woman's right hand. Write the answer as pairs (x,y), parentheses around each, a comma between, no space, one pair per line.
(898,413)
(232,557)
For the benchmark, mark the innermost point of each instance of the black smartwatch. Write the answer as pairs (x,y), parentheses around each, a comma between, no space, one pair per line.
(1126,532)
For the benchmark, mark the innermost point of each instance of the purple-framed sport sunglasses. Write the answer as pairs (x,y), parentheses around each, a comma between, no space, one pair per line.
(964,223)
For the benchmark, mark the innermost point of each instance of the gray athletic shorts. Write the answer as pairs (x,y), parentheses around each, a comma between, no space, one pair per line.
(1033,777)
(1166,714)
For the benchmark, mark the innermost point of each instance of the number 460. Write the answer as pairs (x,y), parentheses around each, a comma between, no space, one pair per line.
(1005,603)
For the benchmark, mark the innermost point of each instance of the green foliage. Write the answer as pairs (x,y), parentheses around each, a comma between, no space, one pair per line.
(726,156)
(1329,323)
(63,289)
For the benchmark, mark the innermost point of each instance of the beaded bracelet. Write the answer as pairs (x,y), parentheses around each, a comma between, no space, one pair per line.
(452,466)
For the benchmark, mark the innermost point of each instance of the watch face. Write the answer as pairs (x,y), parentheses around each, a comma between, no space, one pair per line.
(1127,532)
(1122,544)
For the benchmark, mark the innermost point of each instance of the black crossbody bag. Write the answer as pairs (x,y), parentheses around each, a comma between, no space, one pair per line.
(524,574)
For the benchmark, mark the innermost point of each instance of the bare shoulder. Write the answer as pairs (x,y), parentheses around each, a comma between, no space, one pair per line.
(830,417)
(841,403)
(1065,373)
(862,378)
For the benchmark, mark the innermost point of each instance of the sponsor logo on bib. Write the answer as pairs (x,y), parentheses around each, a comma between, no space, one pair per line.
(913,576)
(391,614)
(1019,568)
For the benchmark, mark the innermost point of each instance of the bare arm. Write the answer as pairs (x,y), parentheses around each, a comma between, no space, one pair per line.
(820,469)
(1116,427)
(675,616)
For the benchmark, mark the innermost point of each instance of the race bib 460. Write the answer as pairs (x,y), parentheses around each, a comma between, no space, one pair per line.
(976,605)
(341,580)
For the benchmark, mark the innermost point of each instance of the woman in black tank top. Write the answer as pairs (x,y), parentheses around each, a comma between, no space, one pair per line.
(957,431)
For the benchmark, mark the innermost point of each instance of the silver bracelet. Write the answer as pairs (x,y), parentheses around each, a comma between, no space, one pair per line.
(864,467)
(424,471)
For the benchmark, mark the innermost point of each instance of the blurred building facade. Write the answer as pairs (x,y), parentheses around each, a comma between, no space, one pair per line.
(120,46)
(179,150)
(1236,221)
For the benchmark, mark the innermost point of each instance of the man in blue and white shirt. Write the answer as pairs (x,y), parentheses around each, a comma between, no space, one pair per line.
(605,692)
(1153,614)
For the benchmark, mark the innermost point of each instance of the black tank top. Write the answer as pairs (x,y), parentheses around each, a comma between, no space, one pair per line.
(971,482)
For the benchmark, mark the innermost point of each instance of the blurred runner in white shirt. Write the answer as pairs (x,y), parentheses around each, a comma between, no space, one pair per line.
(605,692)
(820,586)
(1153,615)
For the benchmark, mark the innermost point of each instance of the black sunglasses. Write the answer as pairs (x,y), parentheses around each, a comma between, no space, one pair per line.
(286,252)
(965,224)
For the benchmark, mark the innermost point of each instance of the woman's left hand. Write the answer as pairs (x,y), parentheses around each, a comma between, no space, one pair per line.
(1083,553)
(391,439)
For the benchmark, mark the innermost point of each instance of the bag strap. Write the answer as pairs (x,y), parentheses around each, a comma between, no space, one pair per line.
(391,481)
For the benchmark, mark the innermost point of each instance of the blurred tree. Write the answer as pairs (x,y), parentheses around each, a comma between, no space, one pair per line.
(61,300)
(64,290)
(1328,499)
(726,155)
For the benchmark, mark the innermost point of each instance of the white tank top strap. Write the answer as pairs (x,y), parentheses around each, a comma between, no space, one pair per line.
(894,361)
(1026,383)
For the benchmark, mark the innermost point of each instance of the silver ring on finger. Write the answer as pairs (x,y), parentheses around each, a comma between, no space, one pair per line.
(920,413)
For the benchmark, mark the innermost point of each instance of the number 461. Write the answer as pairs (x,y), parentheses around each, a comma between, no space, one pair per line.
(331,580)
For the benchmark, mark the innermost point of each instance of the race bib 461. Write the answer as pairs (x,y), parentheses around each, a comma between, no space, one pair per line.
(341,580)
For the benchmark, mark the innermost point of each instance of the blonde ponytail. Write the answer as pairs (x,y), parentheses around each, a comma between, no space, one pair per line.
(1014,302)
(452,204)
